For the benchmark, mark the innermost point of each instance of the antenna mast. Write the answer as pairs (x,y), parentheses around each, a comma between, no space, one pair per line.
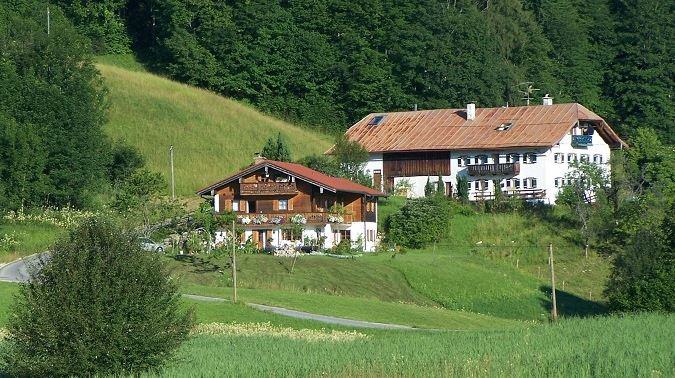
(527,91)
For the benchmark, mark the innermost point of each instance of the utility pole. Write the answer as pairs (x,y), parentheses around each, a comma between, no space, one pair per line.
(173,182)
(234,265)
(48,26)
(554,310)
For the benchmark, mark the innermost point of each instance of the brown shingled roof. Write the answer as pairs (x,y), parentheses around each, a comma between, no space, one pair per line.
(335,184)
(448,129)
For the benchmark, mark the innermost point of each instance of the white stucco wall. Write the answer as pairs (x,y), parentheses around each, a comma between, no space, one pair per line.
(357,229)
(545,170)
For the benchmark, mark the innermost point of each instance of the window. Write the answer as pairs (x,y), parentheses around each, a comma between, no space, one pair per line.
(559,182)
(460,161)
(288,235)
(516,183)
(559,158)
(476,185)
(584,158)
(512,158)
(480,159)
(571,158)
(597,159)
(530,158)
(235,205)
(504,126)
(283,204)
(345,235)
(375,120)
(530,183)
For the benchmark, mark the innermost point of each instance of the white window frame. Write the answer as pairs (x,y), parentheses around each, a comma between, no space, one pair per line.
(571,157)
(584,158)
(597,158)
(235,205)
(559,157)
(285,202)
(460,161)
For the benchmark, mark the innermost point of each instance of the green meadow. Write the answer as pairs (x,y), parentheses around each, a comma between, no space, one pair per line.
(212,136)
(613,346)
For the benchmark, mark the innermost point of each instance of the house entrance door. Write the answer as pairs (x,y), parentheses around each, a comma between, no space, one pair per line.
(377,179)
(262,239)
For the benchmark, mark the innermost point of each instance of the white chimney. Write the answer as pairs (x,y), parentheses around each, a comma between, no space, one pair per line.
(548,100)
(470,111)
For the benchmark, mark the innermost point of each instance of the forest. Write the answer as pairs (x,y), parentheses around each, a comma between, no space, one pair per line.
(320,64)
(327,64)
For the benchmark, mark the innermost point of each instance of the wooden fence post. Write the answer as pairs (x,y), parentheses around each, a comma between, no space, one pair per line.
(554,310)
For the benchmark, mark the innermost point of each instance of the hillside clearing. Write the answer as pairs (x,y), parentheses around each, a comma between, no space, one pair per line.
(212,136)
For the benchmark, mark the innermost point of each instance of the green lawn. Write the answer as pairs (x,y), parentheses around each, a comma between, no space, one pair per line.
(32,238)
(607,347)
(212,136)
(360,277)
(361,308)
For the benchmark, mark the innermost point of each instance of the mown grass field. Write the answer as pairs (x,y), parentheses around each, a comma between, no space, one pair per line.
(631,346)
(212,136)
(31,237)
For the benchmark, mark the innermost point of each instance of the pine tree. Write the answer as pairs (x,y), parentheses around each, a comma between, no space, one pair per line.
(576,66)
(428,188)
(283,152)
(440,185)
(643,78)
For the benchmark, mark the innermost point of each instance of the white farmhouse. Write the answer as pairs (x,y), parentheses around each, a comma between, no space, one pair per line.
(526,150)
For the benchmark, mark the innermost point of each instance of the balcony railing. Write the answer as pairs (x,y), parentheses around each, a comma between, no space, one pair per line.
(265,188)
(518,193)
(279,219)
(494,169)
(582,140)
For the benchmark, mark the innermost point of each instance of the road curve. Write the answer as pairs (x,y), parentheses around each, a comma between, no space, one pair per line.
(306,315)
(17,271)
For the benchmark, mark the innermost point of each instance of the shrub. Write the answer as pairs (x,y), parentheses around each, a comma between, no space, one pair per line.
(419,222)
(643,276)
(99,305)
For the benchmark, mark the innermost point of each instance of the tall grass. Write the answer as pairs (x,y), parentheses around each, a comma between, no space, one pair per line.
(31,238)
(212,136)
(630,346)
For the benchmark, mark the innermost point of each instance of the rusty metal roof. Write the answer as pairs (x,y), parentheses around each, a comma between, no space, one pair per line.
(448,129)
(335,184)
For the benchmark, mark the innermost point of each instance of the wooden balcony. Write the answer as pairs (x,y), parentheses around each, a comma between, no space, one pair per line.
(284,218)
(527,194)
(582,140)
(501,169)
(267,188)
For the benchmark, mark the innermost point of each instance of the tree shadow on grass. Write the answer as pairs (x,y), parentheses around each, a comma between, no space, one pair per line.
(571,305)
(200,266)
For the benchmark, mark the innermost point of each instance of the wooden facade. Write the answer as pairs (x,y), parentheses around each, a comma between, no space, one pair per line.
(410,164)
(273,194)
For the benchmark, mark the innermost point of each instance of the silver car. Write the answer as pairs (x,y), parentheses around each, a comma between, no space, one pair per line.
(148,245)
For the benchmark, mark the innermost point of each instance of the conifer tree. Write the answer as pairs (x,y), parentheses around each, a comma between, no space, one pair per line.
(643,77)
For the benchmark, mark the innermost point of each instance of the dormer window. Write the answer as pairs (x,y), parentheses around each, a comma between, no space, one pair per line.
(504,126)
(375,120)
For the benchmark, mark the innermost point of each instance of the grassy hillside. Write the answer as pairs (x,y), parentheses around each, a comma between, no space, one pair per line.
(212,136)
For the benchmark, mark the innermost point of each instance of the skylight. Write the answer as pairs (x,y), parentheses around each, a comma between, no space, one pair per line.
(504,126)
(375,120)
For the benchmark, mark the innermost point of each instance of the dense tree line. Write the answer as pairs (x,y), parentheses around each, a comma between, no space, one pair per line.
(53,151)
(329,63)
